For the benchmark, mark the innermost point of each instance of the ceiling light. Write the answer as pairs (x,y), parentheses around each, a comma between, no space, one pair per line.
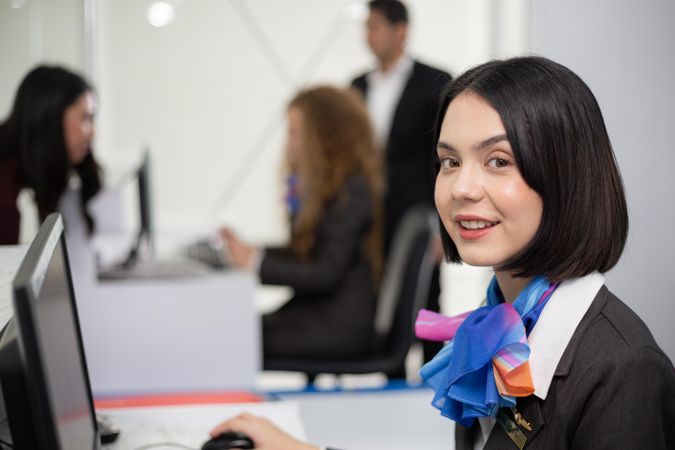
(161,14)
(356,11)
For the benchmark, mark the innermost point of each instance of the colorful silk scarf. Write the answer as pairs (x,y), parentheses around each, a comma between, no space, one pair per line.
(292,195)
(484,366)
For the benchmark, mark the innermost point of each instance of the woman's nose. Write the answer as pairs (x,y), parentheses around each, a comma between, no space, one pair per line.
(467,185)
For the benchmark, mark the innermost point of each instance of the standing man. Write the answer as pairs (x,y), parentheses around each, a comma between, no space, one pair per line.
(402,95)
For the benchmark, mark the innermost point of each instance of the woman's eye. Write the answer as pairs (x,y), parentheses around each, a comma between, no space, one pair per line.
(497,163)
(448,163)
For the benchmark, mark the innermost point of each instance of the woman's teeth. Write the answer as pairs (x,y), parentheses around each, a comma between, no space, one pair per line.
(476,224)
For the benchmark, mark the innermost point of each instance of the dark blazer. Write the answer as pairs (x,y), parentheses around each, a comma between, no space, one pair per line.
(410,150)
(331,313)
(613,389)
(10,186)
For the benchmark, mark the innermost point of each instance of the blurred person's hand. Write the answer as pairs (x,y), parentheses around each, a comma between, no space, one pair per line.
(241,255)
(265,435)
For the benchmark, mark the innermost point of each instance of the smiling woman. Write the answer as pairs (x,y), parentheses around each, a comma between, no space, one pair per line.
(485,205)
(554,361)
(523,160)
(551,134)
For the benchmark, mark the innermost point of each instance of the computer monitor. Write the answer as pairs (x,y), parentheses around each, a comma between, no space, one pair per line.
(145,201)
(145,237)
(43,371)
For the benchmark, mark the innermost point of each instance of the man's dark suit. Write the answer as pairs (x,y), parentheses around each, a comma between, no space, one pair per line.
(612,389)
(331,313)
(410,148)
(408,158)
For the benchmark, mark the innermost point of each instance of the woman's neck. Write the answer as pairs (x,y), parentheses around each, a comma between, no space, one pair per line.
(510,285)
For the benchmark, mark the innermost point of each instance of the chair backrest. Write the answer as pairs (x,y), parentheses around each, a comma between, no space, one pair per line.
(406,282)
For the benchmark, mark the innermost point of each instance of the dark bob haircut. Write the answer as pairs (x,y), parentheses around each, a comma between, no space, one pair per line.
(560,143)
(33,135)
(393,10)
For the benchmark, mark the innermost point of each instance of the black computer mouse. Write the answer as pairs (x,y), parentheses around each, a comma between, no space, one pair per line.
(229,439)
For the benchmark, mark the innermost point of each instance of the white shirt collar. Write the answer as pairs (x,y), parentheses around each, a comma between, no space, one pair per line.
(384,93)
(401,68)
(556,325)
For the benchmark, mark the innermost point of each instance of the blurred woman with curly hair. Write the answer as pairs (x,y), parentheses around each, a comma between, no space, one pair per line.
(334,258)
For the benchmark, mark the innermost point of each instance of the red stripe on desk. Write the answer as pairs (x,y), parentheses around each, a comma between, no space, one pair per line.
(178,399)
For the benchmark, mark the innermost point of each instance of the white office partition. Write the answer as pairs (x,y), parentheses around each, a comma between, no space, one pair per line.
(192,335)
(164,335)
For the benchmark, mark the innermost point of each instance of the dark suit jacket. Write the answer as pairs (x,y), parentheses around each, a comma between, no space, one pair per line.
(10,186)
(331,314)
(613,389)
(410,149)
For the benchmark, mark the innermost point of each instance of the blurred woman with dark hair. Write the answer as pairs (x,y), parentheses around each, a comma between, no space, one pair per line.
(45,139)
(334,258)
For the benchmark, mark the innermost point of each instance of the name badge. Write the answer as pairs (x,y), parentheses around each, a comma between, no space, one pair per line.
(511,420)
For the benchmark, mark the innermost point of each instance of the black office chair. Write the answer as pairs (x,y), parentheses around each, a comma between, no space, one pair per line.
(403,292)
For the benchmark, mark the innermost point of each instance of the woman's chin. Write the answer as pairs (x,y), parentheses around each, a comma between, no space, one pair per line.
(79,157)
(479,260)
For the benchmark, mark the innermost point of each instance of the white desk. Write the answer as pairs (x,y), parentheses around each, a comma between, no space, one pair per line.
(189,425)
(378,420)
(390,419)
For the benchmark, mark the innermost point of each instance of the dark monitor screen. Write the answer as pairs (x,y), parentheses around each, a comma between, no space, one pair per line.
(43,370)
(145,238)
(145,200)
(144,241)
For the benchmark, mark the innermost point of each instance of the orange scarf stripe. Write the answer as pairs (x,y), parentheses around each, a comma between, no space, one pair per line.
(516,382)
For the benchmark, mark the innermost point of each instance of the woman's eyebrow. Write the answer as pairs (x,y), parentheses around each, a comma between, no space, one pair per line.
(481,145)
(445,146)
(490,141)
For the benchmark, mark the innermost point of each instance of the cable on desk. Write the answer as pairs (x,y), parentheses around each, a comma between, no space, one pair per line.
(165,444)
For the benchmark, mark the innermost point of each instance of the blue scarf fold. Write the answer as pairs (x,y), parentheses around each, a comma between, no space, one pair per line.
(491,338)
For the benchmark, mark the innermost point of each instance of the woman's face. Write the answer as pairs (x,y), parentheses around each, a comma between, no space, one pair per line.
(296,133)
(78,127)
(485,205)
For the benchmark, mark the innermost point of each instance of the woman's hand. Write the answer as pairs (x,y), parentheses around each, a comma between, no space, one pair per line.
(265,435)
(241,255)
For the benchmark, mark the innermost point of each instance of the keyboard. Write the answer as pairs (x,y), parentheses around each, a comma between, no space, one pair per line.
(154,269)
(208,252)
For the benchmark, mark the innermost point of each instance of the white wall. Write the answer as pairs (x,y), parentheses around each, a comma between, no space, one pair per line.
(37,31)
(208,92)
(625,51)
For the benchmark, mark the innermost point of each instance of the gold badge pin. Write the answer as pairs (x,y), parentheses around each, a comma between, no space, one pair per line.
(511,428)
(520,420)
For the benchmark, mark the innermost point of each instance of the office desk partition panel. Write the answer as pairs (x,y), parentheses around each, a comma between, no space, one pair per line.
(171,336)
(198,333)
